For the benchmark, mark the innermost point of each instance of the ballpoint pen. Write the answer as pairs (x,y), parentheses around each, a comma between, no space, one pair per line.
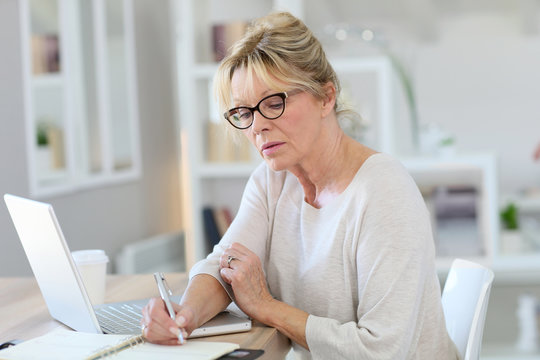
(165,292)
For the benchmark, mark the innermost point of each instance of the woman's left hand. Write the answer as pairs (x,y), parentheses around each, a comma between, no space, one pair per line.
(242,269)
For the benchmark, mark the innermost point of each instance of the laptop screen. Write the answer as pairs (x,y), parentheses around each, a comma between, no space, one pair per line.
(51,262)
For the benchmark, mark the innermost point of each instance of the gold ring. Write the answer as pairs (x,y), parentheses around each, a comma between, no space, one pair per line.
(143,327)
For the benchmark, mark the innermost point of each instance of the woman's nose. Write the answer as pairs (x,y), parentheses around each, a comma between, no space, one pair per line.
(260,123)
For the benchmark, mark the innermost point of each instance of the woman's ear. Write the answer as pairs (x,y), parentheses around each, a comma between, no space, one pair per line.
(329,100)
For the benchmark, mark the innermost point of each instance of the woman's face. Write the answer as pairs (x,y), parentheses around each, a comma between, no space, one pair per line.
(291,139)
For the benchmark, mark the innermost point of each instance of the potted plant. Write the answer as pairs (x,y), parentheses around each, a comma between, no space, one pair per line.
(43,152)
(509,217)
(447,146)
(511,239)
(41,135)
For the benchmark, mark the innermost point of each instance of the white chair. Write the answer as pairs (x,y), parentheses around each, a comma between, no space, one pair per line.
(465,299)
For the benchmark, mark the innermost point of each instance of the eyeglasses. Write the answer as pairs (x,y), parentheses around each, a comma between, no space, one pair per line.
(271,107)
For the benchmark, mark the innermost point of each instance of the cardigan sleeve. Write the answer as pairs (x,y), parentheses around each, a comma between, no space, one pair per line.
(250,227)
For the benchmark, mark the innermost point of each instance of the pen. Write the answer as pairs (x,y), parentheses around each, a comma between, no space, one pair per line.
(165,292)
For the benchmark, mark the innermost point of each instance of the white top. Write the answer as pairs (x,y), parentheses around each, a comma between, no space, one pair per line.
(363,266)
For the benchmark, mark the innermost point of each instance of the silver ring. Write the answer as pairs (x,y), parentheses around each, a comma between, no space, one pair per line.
(229,259)
(143,327)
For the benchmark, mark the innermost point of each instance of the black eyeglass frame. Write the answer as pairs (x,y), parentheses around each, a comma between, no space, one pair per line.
(282,95)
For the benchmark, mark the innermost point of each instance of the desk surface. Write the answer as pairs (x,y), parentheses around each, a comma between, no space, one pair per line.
(24,315)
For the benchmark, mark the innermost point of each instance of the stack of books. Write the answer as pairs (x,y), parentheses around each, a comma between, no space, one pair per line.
(45,54)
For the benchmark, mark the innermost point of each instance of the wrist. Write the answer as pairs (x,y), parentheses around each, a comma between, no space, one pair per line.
(269,313)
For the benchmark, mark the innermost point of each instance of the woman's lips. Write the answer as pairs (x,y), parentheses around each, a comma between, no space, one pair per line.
(271,147)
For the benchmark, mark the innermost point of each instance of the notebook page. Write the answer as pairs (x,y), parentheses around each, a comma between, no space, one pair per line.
(192,349)
(63,344)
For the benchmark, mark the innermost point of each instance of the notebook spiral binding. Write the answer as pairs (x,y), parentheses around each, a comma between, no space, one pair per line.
(112,350)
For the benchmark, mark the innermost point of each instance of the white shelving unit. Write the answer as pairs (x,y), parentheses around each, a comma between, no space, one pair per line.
(476,172)
(80,93)
(524,259)
(373,81)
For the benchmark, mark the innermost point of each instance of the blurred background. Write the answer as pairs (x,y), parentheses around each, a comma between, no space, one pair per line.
(107,114)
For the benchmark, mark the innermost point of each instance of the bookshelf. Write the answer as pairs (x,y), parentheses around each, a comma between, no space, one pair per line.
(518,254)
(461,193)
(79,94)
(203,182)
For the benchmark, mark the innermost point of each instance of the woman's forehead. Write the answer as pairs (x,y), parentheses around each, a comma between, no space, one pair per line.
(247,84)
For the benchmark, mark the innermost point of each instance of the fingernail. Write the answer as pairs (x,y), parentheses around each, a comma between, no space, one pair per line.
(180,321)
(174,331)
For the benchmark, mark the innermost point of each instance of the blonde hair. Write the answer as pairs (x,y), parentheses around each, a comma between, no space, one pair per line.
(281,51)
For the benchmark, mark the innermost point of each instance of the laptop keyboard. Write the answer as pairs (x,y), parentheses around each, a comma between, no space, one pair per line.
(120,318)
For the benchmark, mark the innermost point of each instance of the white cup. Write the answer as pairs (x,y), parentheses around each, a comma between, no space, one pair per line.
(92,265)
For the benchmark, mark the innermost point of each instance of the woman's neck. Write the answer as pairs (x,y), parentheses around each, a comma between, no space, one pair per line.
(327,176)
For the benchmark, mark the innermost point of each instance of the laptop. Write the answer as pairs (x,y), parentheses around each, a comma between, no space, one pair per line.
(62,286)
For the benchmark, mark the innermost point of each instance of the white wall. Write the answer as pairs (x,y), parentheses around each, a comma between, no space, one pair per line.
(13,173)
(480,81)
(111,216)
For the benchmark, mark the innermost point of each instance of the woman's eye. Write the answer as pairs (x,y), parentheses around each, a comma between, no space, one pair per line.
(273,105)
(245,115)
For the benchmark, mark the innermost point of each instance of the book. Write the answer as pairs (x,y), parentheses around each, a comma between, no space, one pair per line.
(216,222)
(45,53)
(225,35)
(221,219)
(210,228)
(65,344)
(228,216)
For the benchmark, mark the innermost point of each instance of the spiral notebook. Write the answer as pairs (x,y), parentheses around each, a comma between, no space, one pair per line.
(63,344)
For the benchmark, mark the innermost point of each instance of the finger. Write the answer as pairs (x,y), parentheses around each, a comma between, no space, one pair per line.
(185,318)
(226,274)
(223,260)
(227,258)
(158,312)
(172,341)
(239,249)
(156,325)
(157,334)
(158,321)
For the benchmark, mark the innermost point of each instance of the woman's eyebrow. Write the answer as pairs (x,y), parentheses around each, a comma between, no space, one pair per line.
(241,100)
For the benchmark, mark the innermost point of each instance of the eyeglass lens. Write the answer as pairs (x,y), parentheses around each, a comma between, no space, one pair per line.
(270,107)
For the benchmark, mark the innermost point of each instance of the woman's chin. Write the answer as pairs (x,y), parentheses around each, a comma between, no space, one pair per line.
(274,165)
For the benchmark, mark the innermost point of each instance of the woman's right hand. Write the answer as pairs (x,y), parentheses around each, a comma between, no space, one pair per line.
(158,327)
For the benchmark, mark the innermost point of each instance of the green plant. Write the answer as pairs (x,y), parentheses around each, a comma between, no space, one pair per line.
(509,217)
(41,135)
(447,141)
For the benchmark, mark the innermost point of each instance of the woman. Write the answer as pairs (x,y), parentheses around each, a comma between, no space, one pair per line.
(332,243)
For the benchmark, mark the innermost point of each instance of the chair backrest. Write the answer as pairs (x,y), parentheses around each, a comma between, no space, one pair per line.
(465,299)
